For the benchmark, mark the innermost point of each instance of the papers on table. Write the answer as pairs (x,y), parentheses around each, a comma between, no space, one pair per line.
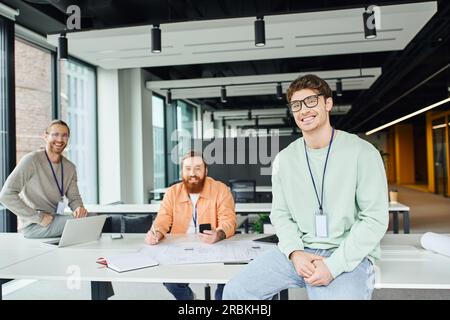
(198,252)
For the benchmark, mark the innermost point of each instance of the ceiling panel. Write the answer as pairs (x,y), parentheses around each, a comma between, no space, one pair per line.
(291,35)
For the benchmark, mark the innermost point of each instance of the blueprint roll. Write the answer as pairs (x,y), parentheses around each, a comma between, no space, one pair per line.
(436,242)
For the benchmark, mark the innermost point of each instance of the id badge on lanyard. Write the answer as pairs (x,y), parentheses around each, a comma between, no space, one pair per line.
(321,225)
(321,221)
(62,204)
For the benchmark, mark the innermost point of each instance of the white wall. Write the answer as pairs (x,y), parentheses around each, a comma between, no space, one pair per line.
(108,136)
(125,137)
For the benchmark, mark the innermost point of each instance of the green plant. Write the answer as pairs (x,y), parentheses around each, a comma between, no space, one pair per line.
(258,226)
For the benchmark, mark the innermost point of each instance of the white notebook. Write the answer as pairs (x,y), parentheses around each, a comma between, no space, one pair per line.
(130,261)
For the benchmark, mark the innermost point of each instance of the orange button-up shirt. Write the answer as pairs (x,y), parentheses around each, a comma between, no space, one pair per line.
(215,205)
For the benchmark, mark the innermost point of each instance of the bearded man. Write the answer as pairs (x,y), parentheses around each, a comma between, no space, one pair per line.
(197,200)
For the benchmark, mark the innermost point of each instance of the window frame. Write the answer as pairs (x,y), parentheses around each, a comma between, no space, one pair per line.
(9,220)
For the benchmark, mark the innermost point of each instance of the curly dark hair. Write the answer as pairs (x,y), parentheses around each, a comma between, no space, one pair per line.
(309,81)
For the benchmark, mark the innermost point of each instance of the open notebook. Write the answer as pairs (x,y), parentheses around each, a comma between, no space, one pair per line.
(130,261)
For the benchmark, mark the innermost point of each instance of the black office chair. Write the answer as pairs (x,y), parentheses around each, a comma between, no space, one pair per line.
(175,182)
(243,190)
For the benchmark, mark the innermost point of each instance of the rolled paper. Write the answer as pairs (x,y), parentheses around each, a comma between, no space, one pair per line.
(435,242)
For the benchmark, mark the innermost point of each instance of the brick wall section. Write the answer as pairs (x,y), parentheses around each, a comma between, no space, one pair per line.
(33,96)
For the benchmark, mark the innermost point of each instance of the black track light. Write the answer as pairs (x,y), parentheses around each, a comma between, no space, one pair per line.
(63,52)
(279,91)
(156,39)
(370,31)
(223,94)
(169,97)
(339,87)
(260,32)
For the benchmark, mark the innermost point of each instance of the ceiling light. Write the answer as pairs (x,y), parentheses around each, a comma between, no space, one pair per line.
(279,91)
(63,52)
(169,97)
(156,39)
(370,31)
(434,105)
(339,87)
(223,94)
(260,32)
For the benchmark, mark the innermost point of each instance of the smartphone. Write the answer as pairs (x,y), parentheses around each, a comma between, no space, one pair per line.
(116,236)
(204,226)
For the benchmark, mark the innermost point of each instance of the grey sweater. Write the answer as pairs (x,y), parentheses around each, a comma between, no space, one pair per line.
(31,186)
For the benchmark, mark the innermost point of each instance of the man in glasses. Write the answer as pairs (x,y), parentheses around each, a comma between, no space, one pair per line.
(43,183)
(329,209)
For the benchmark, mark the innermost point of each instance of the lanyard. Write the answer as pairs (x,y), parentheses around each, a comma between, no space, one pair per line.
(194,218)
(320,201)
(60,189)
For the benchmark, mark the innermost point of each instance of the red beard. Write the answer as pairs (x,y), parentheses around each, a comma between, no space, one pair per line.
(195,185)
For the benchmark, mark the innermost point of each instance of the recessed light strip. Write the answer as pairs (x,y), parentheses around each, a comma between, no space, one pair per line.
(434,105)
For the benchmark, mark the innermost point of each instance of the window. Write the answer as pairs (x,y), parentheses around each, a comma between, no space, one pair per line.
(185,117)
(79,109)
(185,129)
(158,142)
(180,126)
(33,74)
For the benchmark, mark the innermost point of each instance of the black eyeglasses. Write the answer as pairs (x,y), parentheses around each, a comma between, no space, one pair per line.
(309,102)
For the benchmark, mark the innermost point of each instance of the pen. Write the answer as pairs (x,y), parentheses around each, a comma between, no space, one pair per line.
(153,230)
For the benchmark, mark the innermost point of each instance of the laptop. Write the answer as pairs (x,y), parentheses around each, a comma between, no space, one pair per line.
(80,230)
(268,239)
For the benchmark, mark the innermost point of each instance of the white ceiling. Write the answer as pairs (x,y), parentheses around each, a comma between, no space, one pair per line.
(197,89)
(292,35)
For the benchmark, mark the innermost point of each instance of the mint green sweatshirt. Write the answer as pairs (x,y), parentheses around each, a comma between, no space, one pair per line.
(355,200)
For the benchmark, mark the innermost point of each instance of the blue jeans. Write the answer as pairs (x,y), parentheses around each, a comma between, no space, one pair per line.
(272,272)
(181,291)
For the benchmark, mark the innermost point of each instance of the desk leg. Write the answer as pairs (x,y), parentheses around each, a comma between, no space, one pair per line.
(405,221)
(2,281)
(284,294)
(101,290)
(395,221)
(207,292)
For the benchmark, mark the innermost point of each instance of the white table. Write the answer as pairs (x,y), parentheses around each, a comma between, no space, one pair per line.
(241,208)
(15,248)
(257,189)
(59,263)
(395,208)
(403,264)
